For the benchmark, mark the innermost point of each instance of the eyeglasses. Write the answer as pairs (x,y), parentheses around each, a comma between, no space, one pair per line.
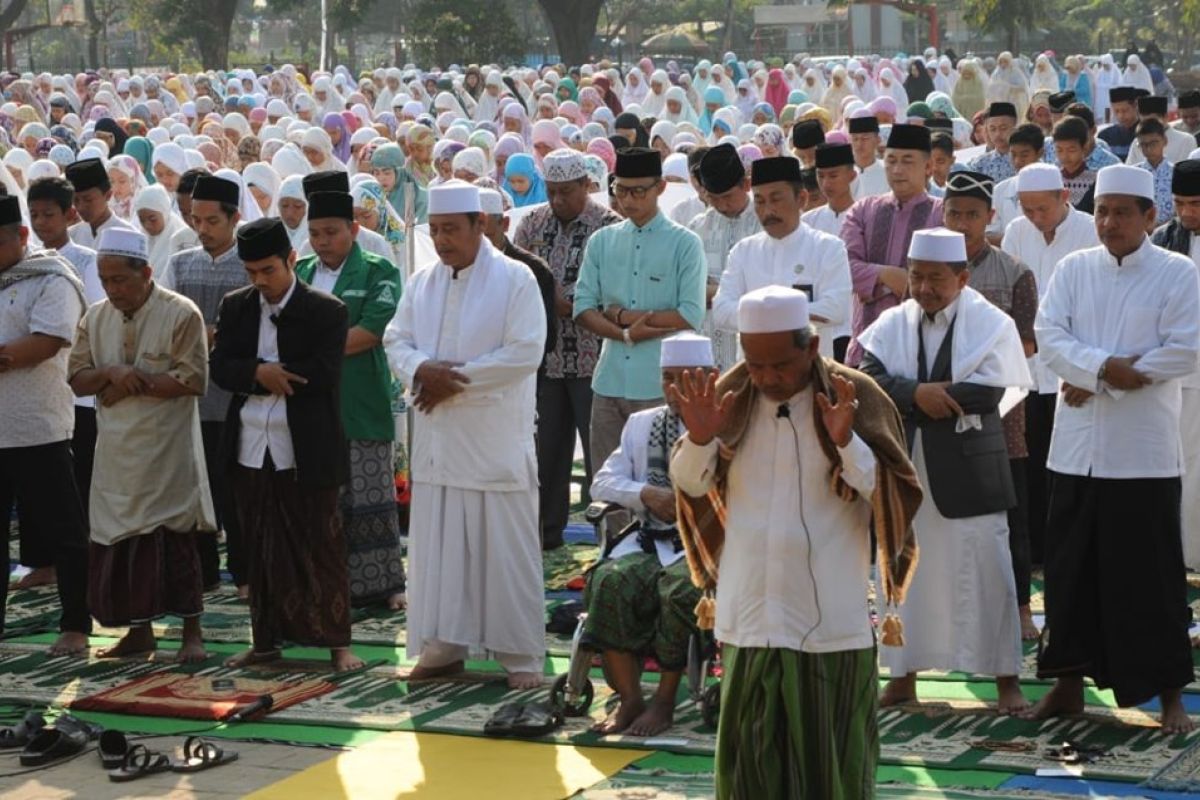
(637,192)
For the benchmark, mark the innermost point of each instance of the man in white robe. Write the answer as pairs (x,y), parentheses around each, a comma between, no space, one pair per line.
(468,338)
(787,252)
(946,356)
(864,139)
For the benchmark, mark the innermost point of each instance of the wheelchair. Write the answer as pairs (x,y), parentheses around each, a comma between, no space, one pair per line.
(572,693)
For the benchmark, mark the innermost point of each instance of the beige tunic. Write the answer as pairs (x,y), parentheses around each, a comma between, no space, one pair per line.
(149,454)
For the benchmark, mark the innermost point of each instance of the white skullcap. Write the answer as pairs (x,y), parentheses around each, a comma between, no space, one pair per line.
(1039,178)
(563,165)
(457,197)
(1122,179)
(1194,154)
(491,203)
(938,245)
(686,349)
(42,168)
(773,309)
(123,242)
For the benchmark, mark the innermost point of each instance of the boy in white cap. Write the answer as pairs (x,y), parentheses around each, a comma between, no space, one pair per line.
(144,353)
(641,599)
(791,454)
(468,338)
(1120,325)
(1048,230)
(946,356)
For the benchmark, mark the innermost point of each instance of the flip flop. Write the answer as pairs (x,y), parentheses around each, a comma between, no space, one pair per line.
(502,721)
(140,762)
(536,720)
(201,754)
(113,748)
(19,735)
(50,745)
(74,725)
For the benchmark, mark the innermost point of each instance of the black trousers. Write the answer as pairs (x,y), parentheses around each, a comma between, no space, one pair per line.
(37,550)
(564,409)
(1039,424)
(1116,587)
(41,478)
(1018,530)
(213,434)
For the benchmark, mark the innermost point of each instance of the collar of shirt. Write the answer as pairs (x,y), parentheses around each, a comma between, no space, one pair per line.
(230,253)
(916,199)
(1131,261)
(943,317)
(322,265)
(275,308)
(141,310)
(656,222)
(984,252)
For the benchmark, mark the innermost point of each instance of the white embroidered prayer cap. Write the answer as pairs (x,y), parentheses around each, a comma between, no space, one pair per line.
(938,245)
(773,309)
(1039,178)
(491,202)
(563,165)
(123,242)
(1122,179)
(686,350)
(454,197)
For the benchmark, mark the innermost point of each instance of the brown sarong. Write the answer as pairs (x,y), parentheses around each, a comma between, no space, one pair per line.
(295,560)
(145,577)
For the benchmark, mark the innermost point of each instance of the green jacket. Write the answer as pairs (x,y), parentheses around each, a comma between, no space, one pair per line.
(370,288)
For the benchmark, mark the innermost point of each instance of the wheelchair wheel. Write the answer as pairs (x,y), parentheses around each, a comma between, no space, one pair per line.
(710,705)
(580,702)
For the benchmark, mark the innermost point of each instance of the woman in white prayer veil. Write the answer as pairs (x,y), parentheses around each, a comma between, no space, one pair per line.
(839,89)
(292,189)
(813,85)
(864,85)
(154,214)
(247,205)
(327,97)
(890,85)
(318,149)
(1009,85)
(656,98)
(636,88)
(1106,77)
(1044,78)
(489,99)
(447,102)
(945,78)
(1136,75)
(290,161)
(262,184)
(720,78)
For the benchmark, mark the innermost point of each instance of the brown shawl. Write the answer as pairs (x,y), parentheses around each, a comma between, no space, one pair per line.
(894,502)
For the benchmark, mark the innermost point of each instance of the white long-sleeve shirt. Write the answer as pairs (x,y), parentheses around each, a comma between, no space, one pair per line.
(1146,306)
(871,182)
(804,257)
(1026,243)
(796,561)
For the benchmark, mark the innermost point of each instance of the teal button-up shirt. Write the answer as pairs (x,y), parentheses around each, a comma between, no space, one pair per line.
(658,267)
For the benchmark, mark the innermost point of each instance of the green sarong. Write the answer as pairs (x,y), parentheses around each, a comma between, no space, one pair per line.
(797,725)
(636,605)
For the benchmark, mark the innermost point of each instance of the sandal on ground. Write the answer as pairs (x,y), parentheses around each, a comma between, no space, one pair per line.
(201,754)
(19,735)
(140,762)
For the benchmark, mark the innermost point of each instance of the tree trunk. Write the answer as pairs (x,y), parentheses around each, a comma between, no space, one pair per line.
(93,31)
(212,36)
(574,26)
(9,16)
(351,51)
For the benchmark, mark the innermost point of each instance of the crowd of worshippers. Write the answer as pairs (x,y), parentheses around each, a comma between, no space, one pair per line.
(245,308)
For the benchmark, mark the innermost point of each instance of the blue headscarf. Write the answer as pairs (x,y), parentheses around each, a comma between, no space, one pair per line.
(796,97)
(712,94)
(764,108)
(522,164)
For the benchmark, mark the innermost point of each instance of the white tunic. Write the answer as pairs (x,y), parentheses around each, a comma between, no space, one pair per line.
(826,220)
(476,578)
(1007,206)
(264,416)
(84,261)
(871,182)
(797,559)
(1026,243)
(1180,144)
(81,233)
(370,241)
(720,234)
(1146,306)
(805,257)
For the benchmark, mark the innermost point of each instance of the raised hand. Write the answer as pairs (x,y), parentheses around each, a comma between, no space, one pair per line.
(702,412)
(839,418)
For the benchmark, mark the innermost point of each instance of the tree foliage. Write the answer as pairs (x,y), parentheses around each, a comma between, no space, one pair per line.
(1010,16)
(205,24)
(464,31)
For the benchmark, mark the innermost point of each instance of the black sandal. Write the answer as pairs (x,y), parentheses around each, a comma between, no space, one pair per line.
(140,762)
(19,735)
(201,754)
(113,749)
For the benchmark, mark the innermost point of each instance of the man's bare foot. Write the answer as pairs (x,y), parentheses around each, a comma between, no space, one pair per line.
(657,717)
(191,652)
(343,660)
(397,602)
(137,641)
(420,673)
(244,593)
(621,718)
(899,691)
(1175,718)
(250,658)
(38,576)
(69,643)
(1066,697)
(525,680)
(1010,700)
(1029,629)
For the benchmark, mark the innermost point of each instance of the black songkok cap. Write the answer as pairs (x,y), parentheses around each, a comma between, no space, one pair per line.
(88,174)
(639,162)
(262,238)
(1185,180)
(807,134)
(1122,94)
(1060,100)
(909,137)
(721,169)
(863,125)
(1152,105)
(10,210)
(210,187)
(331,180)
(1002,110)
(970,184)
(834,155)
(773,170)
(1190,99)
(331,205)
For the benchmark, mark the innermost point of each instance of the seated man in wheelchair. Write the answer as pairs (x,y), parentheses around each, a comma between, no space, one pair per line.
(640,598)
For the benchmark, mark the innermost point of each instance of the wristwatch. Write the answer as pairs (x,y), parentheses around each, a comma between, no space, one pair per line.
(1102,372)
(625,335)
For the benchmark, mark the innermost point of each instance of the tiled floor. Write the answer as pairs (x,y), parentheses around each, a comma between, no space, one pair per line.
(258,765)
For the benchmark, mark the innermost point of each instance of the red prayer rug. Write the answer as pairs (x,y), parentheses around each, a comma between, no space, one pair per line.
(178,694)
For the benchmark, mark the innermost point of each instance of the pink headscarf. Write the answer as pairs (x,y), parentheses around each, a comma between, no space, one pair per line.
(546,132)
(777,90)
(604,150)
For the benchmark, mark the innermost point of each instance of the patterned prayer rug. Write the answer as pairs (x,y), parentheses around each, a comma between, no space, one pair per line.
(176,694)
